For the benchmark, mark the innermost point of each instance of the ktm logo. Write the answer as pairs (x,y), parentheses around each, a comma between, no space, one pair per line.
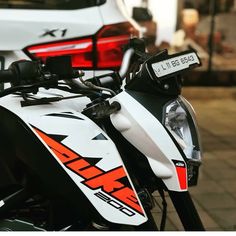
(113,182)
(180,164)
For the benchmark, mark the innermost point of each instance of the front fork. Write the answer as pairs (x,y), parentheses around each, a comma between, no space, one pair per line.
(186,210)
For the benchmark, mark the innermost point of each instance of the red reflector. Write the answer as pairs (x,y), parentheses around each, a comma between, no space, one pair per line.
(80,51)
(182,176)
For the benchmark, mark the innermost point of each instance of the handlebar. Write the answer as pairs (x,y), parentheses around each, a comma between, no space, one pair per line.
(30,74)
(24,71)
(29,70)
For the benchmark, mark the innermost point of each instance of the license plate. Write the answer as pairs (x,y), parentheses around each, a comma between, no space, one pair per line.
(2,61)
(175,64)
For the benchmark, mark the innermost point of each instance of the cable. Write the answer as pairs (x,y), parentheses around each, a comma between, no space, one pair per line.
(92,86)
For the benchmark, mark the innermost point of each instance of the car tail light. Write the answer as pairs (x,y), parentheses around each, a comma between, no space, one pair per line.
(110,42)
(80,51)
(102,51)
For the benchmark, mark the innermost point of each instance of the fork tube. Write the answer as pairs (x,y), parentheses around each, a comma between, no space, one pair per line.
(186,210)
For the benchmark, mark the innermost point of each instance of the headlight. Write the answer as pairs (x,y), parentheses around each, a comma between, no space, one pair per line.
(179,119)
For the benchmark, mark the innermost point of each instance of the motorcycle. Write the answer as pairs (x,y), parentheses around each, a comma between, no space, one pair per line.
(81,154)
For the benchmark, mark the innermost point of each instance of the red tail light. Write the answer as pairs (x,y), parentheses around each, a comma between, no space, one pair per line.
(110,42)
(103,51)
(80,51)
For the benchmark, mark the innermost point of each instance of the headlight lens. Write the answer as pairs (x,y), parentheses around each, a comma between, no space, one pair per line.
(179,119)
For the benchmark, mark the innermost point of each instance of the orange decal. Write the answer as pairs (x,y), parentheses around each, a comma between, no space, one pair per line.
(108,181)
(94,178)
(84,169)
(63,153)
(60,156)
(127,196)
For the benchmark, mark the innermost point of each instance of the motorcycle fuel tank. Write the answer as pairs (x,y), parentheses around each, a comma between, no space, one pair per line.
(86,153)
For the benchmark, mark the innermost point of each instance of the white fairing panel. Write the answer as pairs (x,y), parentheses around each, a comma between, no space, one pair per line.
(86,154)
(148,135)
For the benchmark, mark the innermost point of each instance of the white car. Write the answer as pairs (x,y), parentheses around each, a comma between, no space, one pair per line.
(93,32)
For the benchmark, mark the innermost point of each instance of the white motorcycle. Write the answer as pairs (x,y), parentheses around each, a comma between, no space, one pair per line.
(88,154)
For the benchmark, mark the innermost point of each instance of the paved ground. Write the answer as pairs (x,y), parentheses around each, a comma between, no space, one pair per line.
(215,195)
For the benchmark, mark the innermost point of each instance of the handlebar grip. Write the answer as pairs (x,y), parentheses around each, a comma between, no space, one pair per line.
(7,76)
(20,72)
